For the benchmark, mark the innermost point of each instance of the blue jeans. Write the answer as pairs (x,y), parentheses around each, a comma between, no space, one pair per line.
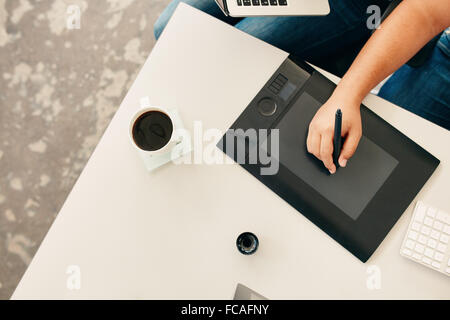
(424,91)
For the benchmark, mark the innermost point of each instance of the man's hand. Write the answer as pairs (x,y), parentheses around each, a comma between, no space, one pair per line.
(321,131)
(407,29)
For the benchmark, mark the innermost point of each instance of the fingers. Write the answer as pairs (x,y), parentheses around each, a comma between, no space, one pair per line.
(326,151)
(321,146)
(349,147)
(313,143)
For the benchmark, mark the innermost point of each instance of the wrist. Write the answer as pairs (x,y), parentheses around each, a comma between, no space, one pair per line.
(351,89)
(348,96)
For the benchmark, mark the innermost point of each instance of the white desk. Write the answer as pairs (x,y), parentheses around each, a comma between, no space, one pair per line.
(171,233)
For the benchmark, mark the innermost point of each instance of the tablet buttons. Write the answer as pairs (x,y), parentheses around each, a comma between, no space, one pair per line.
(267,107)
(278,83)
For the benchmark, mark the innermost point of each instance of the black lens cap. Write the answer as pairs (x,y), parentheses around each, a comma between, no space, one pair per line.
(247,243)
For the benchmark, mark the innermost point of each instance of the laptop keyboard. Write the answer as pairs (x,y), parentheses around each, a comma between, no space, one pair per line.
(262,2)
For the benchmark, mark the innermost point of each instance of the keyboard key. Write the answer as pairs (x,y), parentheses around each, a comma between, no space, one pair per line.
(407,252)
(409,244)
(444,238)
(425,230)
(422,239)
(441,216)
(435,234)
(429,252)
(255,2)
(431,212)
(416,256)
(420,212)
(447,229)
(428,221)
(441,247)
(447,219)
(435,264)
(273,2)
(426,260)
(432,243)
(419,248)
(438,225)
(413,235)
(415,226)
(438,256)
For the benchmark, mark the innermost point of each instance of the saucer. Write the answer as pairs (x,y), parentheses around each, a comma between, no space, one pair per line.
(155,161)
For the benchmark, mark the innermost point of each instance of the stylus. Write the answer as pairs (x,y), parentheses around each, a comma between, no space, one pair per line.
(337,139)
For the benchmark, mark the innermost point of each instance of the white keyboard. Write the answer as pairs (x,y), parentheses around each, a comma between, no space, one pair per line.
(427,240)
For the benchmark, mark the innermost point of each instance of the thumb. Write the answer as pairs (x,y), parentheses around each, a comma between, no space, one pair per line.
(349,147)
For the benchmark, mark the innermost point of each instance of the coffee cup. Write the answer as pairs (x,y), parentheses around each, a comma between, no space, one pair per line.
(152,131)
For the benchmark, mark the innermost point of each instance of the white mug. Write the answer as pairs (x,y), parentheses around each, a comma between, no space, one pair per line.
(174,139)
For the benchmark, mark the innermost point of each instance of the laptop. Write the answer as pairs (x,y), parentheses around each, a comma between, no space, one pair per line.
(247,8)
(359,204)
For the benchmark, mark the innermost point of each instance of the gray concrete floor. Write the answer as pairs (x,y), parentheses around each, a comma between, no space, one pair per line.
(59,88)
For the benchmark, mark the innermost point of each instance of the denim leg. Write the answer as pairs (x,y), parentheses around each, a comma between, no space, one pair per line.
(208,6)
(424,91)
(313,37)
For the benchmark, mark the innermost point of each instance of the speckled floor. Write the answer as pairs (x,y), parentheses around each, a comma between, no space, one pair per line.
(59,88)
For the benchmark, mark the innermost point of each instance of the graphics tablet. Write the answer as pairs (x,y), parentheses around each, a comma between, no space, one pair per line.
(359,204)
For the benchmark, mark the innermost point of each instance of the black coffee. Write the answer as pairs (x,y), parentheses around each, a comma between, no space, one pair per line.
(152,130)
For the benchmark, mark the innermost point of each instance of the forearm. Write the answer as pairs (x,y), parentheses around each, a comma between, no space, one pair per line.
(409,27)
